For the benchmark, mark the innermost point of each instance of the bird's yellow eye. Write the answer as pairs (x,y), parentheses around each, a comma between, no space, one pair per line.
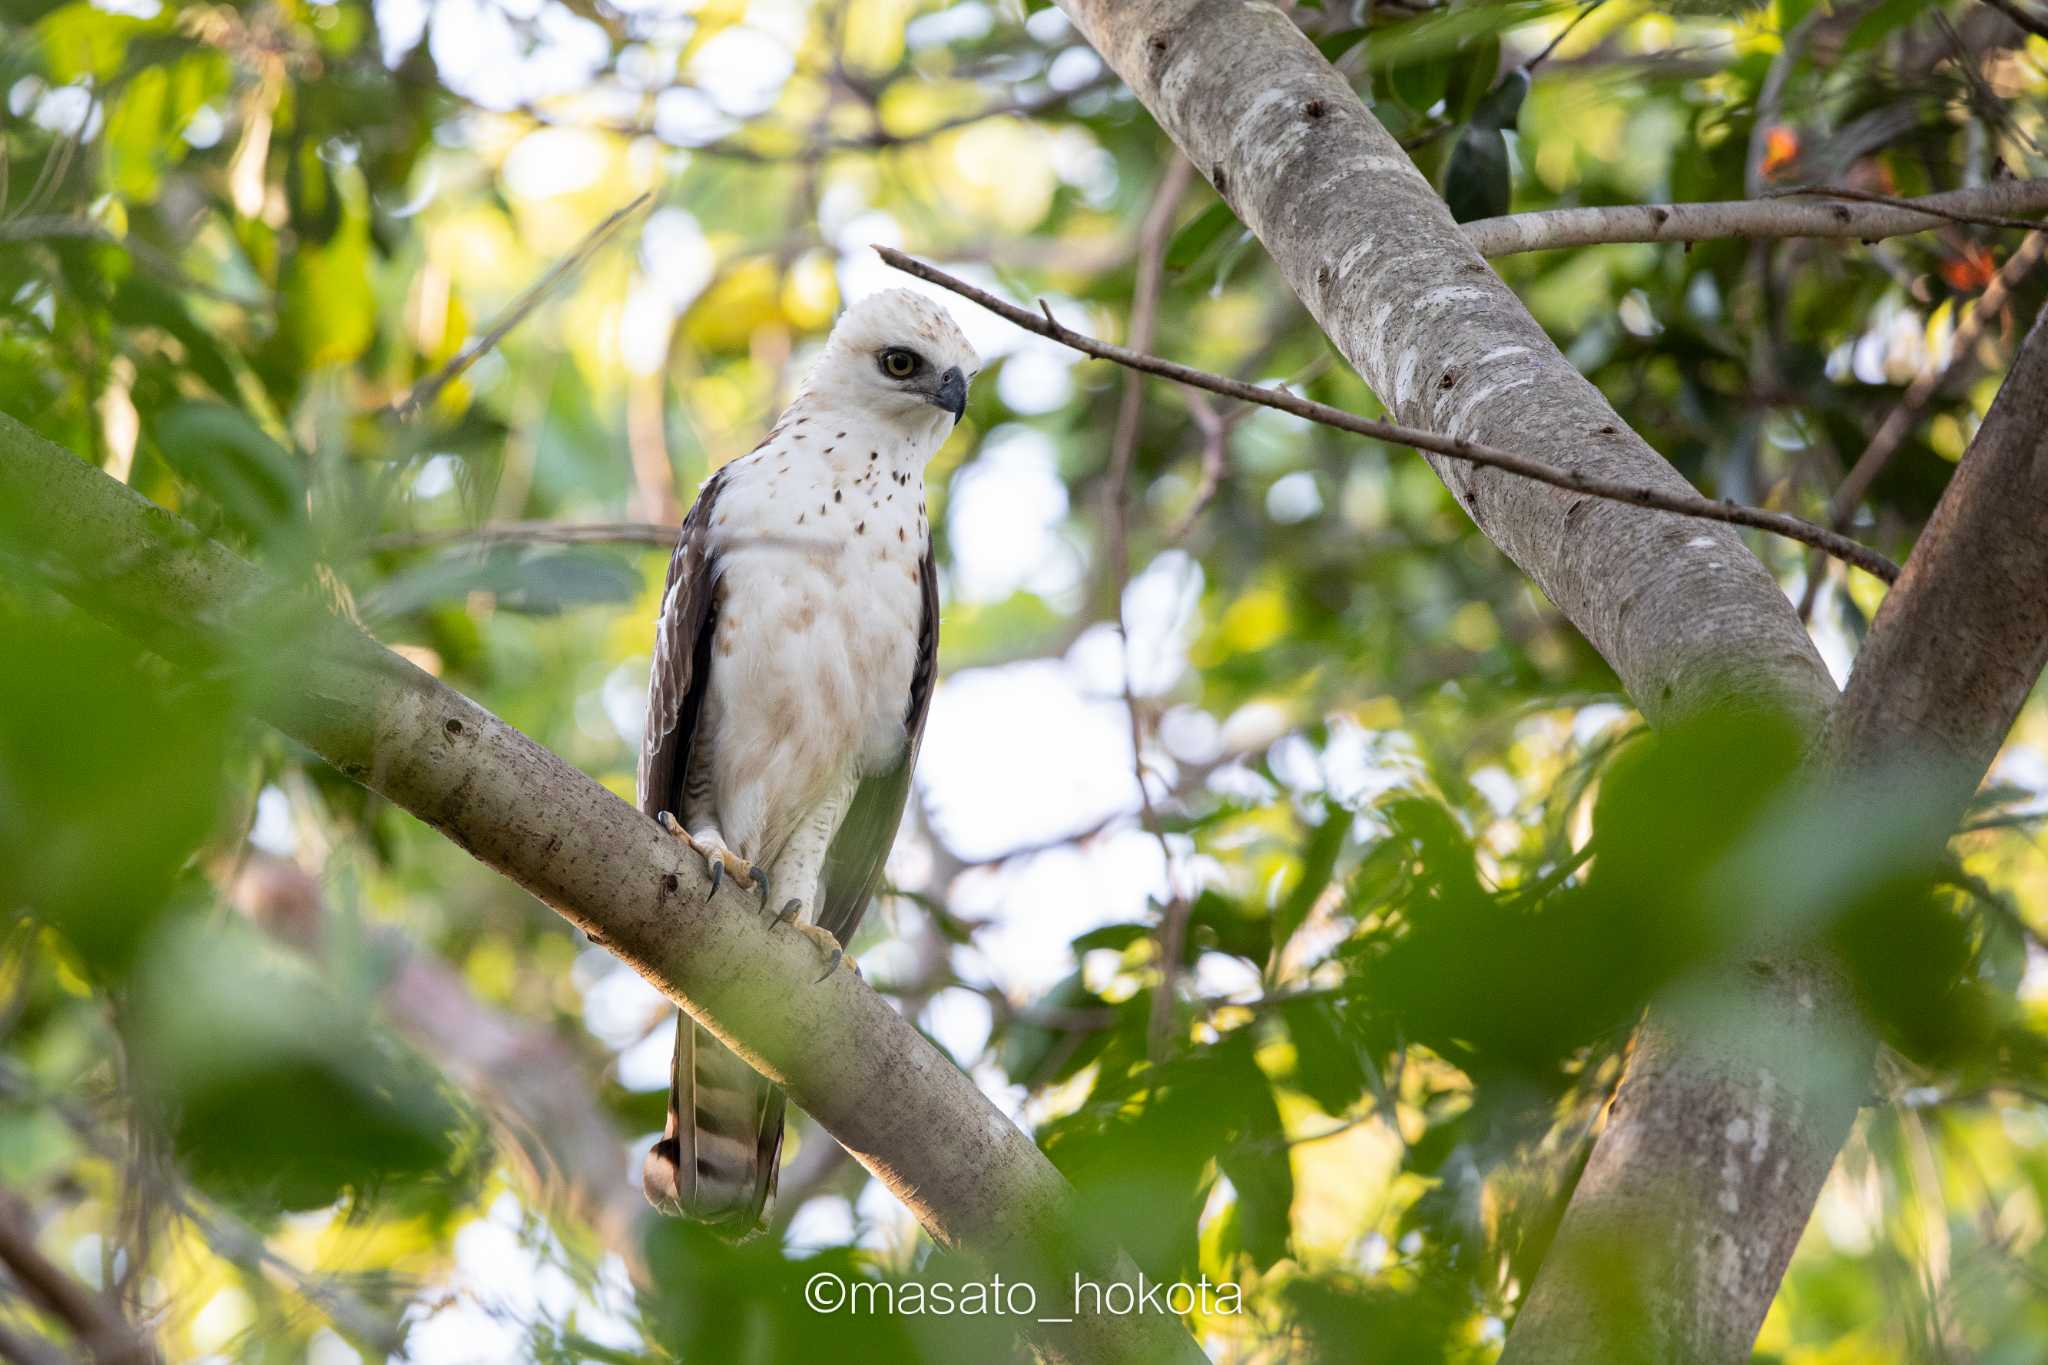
(899,364)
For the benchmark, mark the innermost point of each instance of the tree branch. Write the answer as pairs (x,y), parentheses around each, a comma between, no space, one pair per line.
(2032,23)
(1754,219)
(655,533)
(1687,617)
(1644,492)
(527,1076)
(909,1115)
(1960,642)
(429,388)
(102,1334)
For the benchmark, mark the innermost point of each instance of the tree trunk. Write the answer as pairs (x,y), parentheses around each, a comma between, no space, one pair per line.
(1732,1111)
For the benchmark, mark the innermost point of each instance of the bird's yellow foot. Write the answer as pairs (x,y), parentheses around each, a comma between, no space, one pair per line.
(721,860)
(826,944)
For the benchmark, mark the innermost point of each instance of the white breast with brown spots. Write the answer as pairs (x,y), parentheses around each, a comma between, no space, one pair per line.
(820,535)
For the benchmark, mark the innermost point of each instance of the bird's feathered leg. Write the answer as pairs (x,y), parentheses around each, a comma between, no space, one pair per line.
(698,826)
(798,869)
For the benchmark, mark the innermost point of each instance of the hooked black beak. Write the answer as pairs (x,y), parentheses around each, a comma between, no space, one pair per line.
(952,394)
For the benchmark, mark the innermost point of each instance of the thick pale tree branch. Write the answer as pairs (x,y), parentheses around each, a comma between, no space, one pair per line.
(1639,492)
(1961,640)
(1954,652)
(1687,617)
(903,1109)
(1754,219)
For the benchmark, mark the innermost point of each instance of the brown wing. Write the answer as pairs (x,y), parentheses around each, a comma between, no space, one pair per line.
(853,865)
(682,648)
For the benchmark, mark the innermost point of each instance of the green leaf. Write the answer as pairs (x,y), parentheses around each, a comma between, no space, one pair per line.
(254,482)
(1318,861)
(281,1095)
(1199,234)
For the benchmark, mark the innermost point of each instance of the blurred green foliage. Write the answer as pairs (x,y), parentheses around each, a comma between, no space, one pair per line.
(1430,868)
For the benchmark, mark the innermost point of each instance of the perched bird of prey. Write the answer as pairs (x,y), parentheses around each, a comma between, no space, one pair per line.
(793,667)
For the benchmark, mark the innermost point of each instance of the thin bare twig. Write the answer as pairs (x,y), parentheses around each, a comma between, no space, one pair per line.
(1753,219)
(656,533)
(1613,490)
(1929,204)
(1215,461)
(428,389)
(1563,34)
(1152,238)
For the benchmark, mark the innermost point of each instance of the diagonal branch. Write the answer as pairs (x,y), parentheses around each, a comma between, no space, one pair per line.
(1932,378)
(1634,493)
(1959,643)
(903,1109)
(428,389)
(102,1334)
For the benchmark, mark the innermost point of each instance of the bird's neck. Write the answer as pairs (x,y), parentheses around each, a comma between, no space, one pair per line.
(853,438)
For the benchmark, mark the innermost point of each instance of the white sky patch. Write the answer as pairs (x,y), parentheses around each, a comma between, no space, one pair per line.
(500,1283)
(1159,613)
(644,1066)
(400,25)
(624,693)
(436,478)
(1294,497)
(273,831)
(618,1004)
(1017,755)
(1037,905)
(1003,512)
(824,1221)
(742,69)
(1035,381)
(961,1022)
(646,322)
(689,118)
(1073,68)
(551,161)
(1358,766)
(958,23)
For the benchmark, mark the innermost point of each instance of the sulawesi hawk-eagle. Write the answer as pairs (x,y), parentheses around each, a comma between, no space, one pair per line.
(793,666)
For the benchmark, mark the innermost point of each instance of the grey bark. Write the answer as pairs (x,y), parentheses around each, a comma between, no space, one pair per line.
(1686,616)
(1684,613)
(1737,1097)
(1963,636)
(1756,219)
(918,1123)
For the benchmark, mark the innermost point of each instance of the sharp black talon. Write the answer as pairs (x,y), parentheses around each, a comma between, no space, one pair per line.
(789,911)
(832,966)
(717,875)
(755,874)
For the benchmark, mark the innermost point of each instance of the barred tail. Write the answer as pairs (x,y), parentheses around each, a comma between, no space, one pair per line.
(718,1154)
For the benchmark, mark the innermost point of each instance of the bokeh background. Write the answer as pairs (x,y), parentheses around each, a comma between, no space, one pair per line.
(288,1077)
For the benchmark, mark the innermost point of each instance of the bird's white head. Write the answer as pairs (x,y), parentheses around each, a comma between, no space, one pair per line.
(900,358)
